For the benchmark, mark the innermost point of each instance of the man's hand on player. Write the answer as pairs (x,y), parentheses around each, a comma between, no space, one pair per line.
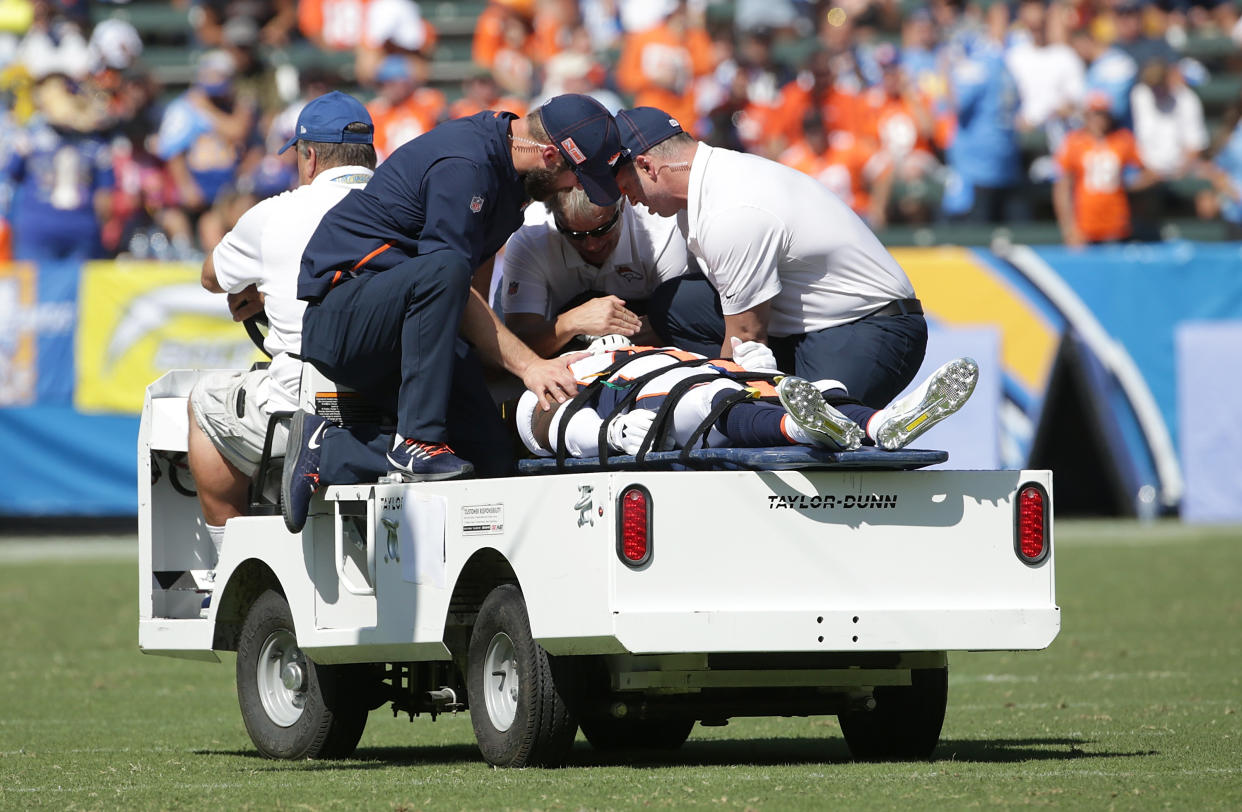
(551,380)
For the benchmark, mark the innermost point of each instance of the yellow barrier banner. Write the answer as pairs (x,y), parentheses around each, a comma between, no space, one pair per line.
(138,320)
(18,362)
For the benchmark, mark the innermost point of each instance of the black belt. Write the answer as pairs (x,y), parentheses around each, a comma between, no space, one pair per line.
(899,307)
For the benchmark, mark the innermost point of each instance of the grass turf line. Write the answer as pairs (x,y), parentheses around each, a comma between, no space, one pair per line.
(1137,704)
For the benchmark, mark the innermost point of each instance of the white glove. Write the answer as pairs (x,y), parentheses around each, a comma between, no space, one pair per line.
(608,343)
(753,356)
(626,432)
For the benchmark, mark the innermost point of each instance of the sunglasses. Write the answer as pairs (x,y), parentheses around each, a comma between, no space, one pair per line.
(598,231)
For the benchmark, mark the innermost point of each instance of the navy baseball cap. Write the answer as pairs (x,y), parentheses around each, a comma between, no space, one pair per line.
(586,134)
(324,120)
(644,127)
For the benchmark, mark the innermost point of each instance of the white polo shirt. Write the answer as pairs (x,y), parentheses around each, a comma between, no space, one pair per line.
(542,271)
(762,230)
(265,249)
(1165,133)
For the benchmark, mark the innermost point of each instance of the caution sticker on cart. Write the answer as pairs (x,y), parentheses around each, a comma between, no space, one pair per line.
(483,520)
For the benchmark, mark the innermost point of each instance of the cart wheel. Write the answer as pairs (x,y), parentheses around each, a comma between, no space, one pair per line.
(606,733)
(293,708)
(516,692)
(905,724)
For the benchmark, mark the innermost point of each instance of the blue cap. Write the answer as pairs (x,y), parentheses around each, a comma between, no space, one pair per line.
(394,67)
(644,127)
(586,134)
(324,120)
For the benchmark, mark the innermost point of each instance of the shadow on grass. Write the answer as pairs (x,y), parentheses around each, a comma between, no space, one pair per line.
(706,753)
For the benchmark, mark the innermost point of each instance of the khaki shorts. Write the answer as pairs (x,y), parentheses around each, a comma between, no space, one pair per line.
(227,409)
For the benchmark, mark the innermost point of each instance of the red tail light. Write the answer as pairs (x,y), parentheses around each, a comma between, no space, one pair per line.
(1031,542)
(634,530)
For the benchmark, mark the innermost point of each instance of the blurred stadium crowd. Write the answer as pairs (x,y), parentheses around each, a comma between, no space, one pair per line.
(140,129)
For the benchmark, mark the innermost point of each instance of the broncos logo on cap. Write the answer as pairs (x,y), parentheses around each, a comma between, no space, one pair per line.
(572,150)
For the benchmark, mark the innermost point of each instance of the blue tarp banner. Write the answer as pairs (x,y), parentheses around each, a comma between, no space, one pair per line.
(58,462)
(1141,292)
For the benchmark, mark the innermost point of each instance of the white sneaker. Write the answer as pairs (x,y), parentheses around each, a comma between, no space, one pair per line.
(808,409)
(944,392)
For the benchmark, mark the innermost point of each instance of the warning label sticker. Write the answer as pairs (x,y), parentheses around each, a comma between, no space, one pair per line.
(482,520)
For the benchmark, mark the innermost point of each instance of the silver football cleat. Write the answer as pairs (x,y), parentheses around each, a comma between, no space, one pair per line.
(944,392)
(807,408)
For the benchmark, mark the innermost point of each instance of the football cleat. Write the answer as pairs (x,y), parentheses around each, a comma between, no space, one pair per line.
(944,392)
(808,409)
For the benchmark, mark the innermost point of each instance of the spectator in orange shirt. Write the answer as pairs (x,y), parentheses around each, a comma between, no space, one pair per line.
(373,29)
(404,109)
(494,29)
(659,65)
(480,92)
(1090,194)
(900,120)
(763,77)
(849,166)
(557,24)
(816,91)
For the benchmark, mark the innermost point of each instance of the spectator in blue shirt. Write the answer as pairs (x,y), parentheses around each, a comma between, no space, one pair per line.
(1225,172)
(985,169)
(60,181)
(1110,71)
(203,135)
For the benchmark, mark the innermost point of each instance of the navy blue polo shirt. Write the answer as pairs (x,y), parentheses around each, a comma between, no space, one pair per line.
(453,188)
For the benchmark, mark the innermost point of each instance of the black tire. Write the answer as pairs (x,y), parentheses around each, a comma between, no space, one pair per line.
(905,724)
(606,733)
(324,718)
(524,725)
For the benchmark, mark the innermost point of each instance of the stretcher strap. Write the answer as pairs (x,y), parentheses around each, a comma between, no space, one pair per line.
(633,387)
(718,409)
(663,421)
(584,397)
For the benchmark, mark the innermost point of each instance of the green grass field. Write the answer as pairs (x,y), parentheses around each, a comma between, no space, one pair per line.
(1138,704)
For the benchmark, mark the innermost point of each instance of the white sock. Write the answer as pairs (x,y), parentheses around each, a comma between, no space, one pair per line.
(216,534)
(795,432)
(873,424)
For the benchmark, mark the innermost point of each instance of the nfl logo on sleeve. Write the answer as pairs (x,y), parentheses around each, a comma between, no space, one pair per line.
(476,204)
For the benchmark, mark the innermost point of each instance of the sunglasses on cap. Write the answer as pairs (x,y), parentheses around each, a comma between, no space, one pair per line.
(598,231)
